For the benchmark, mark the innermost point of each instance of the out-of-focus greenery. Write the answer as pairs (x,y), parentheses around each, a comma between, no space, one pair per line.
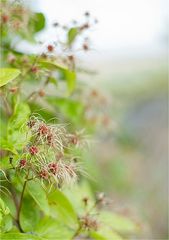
(131,162)
(33,206)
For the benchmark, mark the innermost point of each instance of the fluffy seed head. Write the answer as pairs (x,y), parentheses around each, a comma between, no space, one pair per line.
(43,174)
(74,139)
(22,163)
(43,129)
(89,223)
(33,150)
(31,123)
(53,168)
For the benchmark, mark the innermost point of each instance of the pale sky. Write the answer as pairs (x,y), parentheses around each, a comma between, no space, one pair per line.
(123,24)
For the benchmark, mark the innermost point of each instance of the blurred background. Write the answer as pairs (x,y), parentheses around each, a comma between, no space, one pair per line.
(129,55)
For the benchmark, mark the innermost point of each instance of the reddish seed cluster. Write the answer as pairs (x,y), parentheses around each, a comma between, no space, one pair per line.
(71,57)
(89,223)
(22,163)
(50,48)
(33,150)
(43,174)
(13,89)
(85,26)
(53,168)
(34,69)
(74,139)
(50,139)
(31,123)
(41,93)
(85,47)
(11,58)
(5,18)
(43,129)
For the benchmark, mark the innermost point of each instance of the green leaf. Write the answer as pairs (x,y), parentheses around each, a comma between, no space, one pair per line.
(51,65)
(29,218)
(6,223)
(3,208)
(7,75)
(17,126)
(73,110)
(69,76)
(50,228)
(39,195)
(72,34)
(5,145)
(71,80)
(2,126)
(76,195)
(19,236)
(37,22)
(5,218)
(61,208)
(53,80)
(105,234)
(10,204)
(118,222)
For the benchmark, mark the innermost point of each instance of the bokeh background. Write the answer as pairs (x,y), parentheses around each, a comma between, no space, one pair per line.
(129,54)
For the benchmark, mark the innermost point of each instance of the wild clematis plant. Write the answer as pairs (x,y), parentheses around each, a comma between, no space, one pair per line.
(44,194)
(47,155)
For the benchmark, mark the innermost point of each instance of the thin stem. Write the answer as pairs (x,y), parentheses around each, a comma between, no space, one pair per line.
(15,200)
(21,202)
(77,231)
(32,95)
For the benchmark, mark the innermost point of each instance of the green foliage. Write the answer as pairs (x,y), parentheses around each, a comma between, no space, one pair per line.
(71,80)
(119,223)
(7,75)
(70,108)
(4,210)
(61,208)
(50,228)
(17,126)
(38,194)
(20,236)
(30,214)
(5,218)
(52,65)
(72,34)
(39,156)
(105,234)
(37,22)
